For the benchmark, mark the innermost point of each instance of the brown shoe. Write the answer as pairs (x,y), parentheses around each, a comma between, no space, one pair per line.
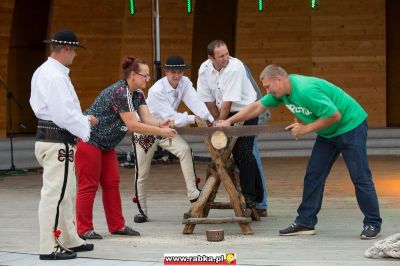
(262,212)
(91,235)
(127,231)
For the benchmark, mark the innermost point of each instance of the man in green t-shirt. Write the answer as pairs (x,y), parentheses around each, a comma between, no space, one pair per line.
(341,127)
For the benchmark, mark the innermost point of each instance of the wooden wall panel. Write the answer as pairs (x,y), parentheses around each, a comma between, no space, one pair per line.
(341,41)
(176,27)
(110,33)
(99,27)
(348,49)
(208,25)
(26,52)
(281,34)
(393,63)
(6,12)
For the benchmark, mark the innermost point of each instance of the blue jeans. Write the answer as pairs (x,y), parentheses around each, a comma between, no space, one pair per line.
(263,204)
(352,145)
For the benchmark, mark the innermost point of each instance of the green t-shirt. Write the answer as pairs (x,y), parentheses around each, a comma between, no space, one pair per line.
(313,98)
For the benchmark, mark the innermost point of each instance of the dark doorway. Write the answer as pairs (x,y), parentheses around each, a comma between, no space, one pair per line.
(212,20)
(27,52)
(392,63)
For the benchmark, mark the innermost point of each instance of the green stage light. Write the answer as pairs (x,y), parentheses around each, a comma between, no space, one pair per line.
(189,6)
(314,4)
(260,5)
(132,8)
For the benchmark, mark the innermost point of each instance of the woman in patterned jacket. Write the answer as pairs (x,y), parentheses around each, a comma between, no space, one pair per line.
(116,108)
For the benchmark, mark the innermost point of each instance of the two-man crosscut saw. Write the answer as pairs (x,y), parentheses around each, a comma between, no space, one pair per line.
(253,130)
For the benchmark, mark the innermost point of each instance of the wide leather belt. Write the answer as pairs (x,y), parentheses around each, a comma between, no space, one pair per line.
(49,132)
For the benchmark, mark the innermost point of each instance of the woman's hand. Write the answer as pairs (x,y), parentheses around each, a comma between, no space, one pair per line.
(92,120)
(222,123)
(167,123)
(168,132)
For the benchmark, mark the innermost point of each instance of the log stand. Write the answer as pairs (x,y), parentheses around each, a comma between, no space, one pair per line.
(221,170)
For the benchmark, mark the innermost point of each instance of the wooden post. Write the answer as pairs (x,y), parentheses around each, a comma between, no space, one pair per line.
(219,205)
(230,188)
(222,169)
(215,190)
(219,220)
(198,206)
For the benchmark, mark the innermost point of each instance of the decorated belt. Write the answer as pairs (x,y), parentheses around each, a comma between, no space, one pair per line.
(49,132)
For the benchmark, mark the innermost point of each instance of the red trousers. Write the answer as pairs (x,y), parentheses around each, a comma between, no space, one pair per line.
(94,166)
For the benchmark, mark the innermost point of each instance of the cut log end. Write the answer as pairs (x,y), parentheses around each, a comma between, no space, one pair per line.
(219,140)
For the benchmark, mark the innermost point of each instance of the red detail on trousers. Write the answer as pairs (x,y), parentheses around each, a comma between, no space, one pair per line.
(57,233)
(93,167)
(135,199)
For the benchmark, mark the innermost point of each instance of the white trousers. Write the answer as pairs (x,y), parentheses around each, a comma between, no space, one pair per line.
(51,156)
(181,149)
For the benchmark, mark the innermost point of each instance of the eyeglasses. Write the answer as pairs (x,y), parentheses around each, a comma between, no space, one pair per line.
(146,77)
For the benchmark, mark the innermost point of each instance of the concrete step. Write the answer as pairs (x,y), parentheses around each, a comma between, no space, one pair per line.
(24,153)
(380,142)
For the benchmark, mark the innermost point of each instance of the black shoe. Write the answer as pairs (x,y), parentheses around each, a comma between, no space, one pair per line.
(140,218)
(91,235)
(195,199)
(126,231)
(83,247)
(250,204)
(370,232)
(295,230)
(250,207)
(58,256)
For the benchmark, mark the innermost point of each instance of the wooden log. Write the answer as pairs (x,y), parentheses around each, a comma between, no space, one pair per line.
(219,140)
(186,215)
(254,215)
(238,187)
(215,234)
(230,188)
(233,172)
(219,205)
(219,220)
(198,206)
(214,193)
(204,196)
(228,150)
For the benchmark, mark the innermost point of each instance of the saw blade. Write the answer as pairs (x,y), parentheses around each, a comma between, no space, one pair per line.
(232,130)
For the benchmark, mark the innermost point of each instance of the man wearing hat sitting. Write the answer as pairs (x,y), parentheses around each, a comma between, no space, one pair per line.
(56,105)
(163,100)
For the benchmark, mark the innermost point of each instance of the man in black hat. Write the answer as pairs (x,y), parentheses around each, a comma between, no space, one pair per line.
(163,101)
(56,105)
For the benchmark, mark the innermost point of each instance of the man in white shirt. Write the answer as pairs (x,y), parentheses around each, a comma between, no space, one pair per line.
(56,105)
(163,101)
(223,85)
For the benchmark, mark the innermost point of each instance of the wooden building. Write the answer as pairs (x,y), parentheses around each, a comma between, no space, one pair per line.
(354,44)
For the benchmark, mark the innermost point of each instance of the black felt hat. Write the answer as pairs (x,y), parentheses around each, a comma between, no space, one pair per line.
(175,62)
(64,37)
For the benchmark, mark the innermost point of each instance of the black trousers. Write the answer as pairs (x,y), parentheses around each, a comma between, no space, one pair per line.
(250,177)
